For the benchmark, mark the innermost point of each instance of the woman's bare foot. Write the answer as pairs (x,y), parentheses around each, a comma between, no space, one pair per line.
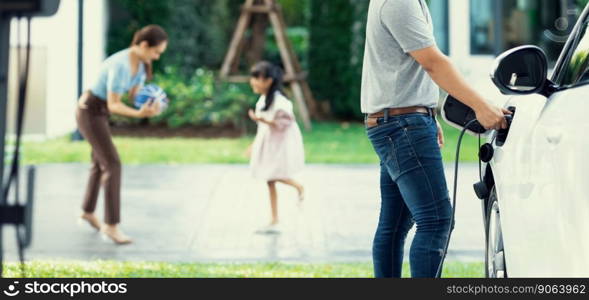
(91,219)
(115,234)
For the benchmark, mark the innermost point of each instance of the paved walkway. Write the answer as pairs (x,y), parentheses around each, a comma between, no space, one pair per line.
(209,213)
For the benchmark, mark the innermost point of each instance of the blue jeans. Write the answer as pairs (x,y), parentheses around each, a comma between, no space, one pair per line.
(413,190)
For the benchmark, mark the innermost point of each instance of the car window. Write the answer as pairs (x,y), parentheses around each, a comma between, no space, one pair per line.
(577,68)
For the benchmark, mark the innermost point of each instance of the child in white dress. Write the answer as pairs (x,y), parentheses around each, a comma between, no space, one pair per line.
(277,152)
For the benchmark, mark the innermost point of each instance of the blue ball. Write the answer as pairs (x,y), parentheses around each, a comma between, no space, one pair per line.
(149,92)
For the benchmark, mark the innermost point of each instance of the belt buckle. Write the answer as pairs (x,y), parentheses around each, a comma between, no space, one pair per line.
(431,112)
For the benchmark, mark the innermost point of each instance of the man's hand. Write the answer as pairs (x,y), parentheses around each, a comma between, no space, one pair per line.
(443,72)
(441,141)
(492,117)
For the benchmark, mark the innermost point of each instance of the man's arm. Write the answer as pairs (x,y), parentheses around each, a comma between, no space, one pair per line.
(443,72)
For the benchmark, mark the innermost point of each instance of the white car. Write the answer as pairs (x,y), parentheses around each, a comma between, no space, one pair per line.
(537,205)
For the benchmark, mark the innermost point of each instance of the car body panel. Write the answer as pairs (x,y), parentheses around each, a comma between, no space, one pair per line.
(540,173)
(540,177)
(541,180)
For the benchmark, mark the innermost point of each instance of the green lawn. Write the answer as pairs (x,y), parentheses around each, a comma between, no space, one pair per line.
(109,269)
(331,143)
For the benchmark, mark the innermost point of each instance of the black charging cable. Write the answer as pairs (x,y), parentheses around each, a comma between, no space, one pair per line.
(480,162)
(466,127)
(13,179)
(441,265)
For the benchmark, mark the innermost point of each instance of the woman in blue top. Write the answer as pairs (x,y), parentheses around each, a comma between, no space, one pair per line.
(123,72)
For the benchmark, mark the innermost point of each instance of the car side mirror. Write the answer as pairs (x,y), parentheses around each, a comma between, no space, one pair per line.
(521,71)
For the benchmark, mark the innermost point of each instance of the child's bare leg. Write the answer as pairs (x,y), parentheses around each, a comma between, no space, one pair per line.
(273,201)
(296,185)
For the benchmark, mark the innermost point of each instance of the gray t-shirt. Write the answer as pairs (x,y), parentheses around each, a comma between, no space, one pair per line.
(391,78)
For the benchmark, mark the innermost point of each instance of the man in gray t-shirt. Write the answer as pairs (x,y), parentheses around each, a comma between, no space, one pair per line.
(391,77)
(402,71)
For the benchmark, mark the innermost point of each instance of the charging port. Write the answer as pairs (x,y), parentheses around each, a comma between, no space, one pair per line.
(503,133)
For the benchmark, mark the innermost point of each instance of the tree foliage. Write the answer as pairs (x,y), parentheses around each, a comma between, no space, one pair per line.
(337,30)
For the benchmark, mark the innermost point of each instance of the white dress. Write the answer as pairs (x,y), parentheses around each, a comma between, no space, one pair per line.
(277,151)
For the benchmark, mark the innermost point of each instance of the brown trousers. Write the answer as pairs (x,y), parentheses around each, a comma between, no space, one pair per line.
(92,117)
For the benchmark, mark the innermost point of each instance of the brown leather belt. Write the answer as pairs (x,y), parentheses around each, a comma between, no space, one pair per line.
(372,119)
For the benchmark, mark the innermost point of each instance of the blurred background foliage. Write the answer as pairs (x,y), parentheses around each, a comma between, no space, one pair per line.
(327,37)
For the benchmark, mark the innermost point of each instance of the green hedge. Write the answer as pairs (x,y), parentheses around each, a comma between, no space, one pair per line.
(204,101)
(299,38)
(200,100)
(336,54)
(199,30)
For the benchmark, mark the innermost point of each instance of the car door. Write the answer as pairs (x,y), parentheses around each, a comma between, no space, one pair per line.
(513,169)
(544,178)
